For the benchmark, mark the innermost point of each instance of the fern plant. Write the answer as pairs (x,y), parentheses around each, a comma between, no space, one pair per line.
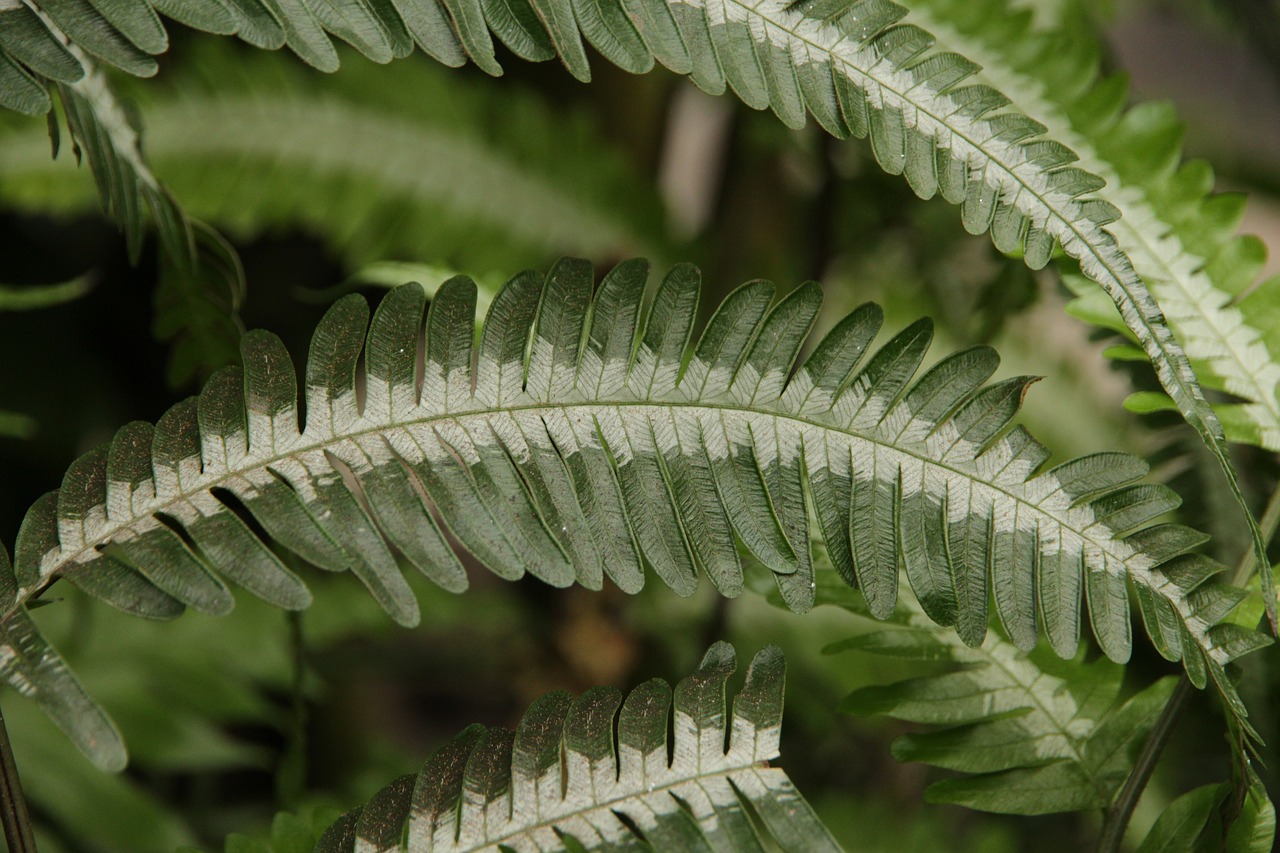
(590,430)
(850,64)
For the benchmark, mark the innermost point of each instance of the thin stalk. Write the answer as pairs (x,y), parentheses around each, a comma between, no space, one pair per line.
(1117,820)
(1118,816)
(291,776)
(13,805)
(1268,523)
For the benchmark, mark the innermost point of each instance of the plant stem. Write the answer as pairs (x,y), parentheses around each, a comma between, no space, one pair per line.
(1117,820)
(1268,523)
(13,805)
(291,776)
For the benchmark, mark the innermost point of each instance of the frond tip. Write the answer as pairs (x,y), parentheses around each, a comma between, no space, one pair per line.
(600,772)
(580,443)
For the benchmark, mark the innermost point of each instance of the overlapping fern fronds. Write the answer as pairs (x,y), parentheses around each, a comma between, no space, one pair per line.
(1180,236)
(850,63)
(1033,734)
(582,443)
(662,770)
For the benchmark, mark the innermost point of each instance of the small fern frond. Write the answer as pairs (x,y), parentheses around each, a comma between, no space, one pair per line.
(1034,734)
(581,444)
(662,770)
(406,162)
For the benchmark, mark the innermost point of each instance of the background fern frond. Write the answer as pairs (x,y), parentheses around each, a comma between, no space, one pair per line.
(600,773)
(850,63)
(586,444)
(203,285)
(1180,236)
(1035,734)
(405,162)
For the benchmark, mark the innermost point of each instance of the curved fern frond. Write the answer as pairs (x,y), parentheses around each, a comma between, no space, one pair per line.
(601,773)
(848,62)
(1038,734)
(203,285)
(582,443)
(404,162)
(1180,237)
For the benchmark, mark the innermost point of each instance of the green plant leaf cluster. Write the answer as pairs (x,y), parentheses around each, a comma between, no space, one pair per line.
(1180,235)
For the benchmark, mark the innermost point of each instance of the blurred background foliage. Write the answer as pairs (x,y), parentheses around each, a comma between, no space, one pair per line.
(315,178)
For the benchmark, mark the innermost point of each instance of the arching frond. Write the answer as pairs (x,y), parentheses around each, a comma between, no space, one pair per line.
(1180,237)
(1038,734)
(850,63)
(583,442)
(202,285)
(406,162)
(601,773)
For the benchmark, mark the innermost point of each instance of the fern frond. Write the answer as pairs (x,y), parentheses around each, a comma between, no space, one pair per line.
(848,62)
(598,773)
(1180,237)
(200,266)
(403,162)
(1037,734)
(579,448)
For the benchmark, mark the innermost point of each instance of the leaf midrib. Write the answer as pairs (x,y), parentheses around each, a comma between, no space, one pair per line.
(108,529)
(726,770)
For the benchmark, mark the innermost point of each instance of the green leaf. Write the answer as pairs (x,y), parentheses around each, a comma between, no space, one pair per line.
(601,773)
(1193,823)
(580,448)
(44,296)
